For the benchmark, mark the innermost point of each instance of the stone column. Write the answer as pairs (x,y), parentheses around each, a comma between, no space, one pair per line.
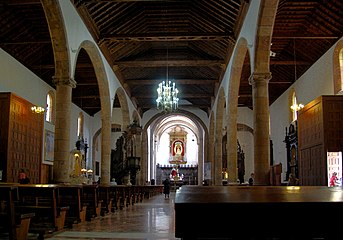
(144,153)
(105,148)
(259,82)
(218,168)
(138,144)
(62,129)
(200,161)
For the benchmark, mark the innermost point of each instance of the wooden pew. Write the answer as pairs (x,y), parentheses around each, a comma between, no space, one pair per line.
(122,196)
(42,199)
(12,223)
(245,212)
(71,195)
(116,193)
(151,190)
(138,193)
(107,198)
(90,198)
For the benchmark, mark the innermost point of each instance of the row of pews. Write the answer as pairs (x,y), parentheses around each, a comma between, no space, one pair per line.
(45,209)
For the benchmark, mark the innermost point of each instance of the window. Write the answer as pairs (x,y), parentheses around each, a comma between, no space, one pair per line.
(295,107)
(80,125)
(49,107)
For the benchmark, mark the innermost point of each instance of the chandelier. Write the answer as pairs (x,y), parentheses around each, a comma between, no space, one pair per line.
(167,99)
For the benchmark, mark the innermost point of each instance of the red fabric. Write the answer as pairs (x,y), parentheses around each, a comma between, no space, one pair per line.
(333,180)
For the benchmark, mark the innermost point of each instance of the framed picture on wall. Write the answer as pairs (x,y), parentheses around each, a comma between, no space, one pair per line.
(49,146)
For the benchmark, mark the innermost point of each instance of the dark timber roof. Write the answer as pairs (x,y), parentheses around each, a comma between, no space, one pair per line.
(190,41)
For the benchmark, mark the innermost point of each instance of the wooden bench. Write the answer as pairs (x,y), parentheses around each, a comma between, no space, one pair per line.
(42,199)
(12,223)
(71,195)
(151,190)
(107,196)
(90,198)
(245,212)
(138,193)
(122,196)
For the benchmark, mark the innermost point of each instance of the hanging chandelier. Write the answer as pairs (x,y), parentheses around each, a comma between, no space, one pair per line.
(167,99)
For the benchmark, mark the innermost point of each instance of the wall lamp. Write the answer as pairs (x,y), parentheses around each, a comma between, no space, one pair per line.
(297,107)
(37,109)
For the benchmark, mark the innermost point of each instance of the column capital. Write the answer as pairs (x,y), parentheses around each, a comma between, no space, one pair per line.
(64,81)
(260,77)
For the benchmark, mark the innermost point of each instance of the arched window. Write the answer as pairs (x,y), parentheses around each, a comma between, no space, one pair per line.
(294,104)
(295,107)
(49,107)
(80,120)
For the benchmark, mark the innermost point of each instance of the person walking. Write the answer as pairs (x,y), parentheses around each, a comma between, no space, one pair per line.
(334,180)
(166,188)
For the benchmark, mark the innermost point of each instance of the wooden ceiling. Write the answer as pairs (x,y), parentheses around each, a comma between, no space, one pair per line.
(188,42)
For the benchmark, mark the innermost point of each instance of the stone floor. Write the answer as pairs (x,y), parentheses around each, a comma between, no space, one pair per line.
(151,219)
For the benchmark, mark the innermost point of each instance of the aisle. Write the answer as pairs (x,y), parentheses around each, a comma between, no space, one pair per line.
(151,219)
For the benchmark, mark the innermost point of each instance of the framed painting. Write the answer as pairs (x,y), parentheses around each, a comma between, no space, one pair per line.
(49,146)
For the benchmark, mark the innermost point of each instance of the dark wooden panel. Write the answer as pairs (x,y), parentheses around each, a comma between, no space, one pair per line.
(249,212)
(320,128)
(21,138)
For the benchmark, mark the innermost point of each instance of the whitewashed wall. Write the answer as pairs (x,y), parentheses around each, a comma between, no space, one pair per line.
(317,81)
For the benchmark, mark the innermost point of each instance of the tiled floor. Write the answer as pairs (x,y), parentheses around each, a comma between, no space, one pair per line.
(151,219)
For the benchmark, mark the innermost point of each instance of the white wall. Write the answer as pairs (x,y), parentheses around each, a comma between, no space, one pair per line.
(317,81)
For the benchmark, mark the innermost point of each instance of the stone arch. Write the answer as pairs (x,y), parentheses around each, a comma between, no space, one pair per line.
(220,111)
(338,67)
(203,140)
(232,106)
(135,117)
(124,107)
(55,21)
(64,85)
(105,99)
(259,81)
(101,76)
(264,35)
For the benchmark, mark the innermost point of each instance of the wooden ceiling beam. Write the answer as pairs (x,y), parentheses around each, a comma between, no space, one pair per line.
(87,97)
(169,37)
(184,96)
(276,62)
(21,2)
(18,42)
(170,63)
(304,37)
(177,81)
(148,106)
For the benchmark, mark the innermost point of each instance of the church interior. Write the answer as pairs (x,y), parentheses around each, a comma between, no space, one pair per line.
(237,103)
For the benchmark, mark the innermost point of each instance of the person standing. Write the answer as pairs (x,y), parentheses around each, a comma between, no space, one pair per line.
(333,180)
(166,188)
(23,178)
(292,180)
(251,179)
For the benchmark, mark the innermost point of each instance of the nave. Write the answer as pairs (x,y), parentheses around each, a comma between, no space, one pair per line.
(151,219)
